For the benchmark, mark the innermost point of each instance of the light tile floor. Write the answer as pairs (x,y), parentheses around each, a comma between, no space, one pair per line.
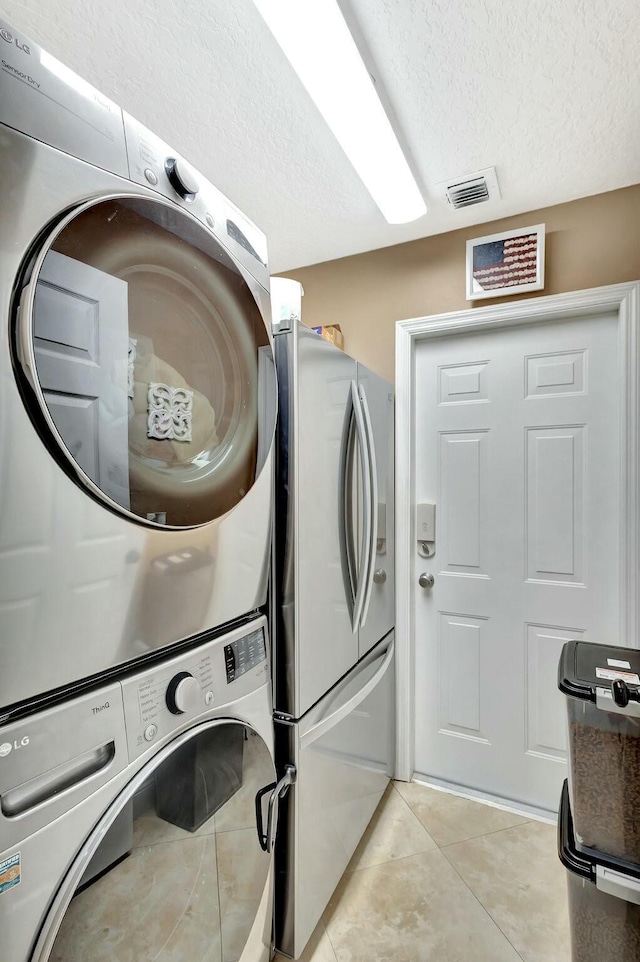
(438,878)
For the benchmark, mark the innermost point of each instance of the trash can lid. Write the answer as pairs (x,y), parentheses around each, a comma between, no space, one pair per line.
(585,667)
(609,874)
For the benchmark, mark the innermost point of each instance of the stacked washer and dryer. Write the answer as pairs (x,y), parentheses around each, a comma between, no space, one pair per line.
(138,792)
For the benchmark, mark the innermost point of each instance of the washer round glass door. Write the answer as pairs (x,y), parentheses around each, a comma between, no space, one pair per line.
(148,361)
(179,873)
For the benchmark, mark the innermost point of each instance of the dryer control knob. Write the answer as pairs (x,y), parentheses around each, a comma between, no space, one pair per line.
(183,693)
(181,178)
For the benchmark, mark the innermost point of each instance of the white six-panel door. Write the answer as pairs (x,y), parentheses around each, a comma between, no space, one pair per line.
(517,443)
(81,342)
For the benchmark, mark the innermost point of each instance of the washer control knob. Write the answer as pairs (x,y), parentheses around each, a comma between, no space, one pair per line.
(181,178)
(183,693)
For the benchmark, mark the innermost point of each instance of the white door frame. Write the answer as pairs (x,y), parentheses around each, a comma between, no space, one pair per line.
(624,299)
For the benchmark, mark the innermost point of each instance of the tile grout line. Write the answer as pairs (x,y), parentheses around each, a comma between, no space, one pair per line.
(415,815)
(469,889)
(333,948)
(495,831)
(438,848)
(392,861)
(430,851)
(522,821)
(385,861)
(441,848)
(482,906)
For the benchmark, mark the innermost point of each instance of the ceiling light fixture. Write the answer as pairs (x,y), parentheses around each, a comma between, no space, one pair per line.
(316,40)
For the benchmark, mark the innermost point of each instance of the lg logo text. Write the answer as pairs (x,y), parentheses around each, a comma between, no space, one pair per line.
(11,39)
(7,747)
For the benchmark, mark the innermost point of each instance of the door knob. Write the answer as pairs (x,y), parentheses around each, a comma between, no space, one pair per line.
(379,576)
(426,580)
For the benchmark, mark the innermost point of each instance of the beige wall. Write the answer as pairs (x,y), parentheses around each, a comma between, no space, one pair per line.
(589,243)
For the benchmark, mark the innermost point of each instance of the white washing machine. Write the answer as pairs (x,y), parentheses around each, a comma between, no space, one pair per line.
(137,821)
(137,389)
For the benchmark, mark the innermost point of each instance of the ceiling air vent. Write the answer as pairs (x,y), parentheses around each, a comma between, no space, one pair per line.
(473,189)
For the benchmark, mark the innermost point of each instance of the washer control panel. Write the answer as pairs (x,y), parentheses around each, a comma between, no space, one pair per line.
(159,700)
(244,654)
(183,693)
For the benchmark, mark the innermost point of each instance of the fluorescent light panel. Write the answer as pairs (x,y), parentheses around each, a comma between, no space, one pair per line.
(315,38)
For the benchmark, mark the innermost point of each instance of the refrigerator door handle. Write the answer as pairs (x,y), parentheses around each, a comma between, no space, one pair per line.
(366,512)
(278,790)
(346,515)
(325,724)
(373,506)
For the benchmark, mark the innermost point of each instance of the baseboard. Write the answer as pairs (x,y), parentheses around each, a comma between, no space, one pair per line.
(504,804)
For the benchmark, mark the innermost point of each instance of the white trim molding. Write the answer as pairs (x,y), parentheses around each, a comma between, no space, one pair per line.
(621,299)
(484,798)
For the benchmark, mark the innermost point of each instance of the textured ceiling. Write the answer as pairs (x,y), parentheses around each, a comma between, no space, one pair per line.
(546,92)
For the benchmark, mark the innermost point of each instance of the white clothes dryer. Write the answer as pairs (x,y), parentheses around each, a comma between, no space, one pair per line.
(137,822)
(137,389)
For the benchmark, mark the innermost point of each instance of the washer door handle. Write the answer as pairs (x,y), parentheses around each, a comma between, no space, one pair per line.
(278,790)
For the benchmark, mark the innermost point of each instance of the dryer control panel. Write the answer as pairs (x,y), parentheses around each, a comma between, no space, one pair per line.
(160,700)
(153,163)
(41,97)
(44,99)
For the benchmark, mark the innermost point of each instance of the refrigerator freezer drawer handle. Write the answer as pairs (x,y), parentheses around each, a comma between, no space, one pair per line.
(373,507)
(278,790)
(336,717)
(366,511)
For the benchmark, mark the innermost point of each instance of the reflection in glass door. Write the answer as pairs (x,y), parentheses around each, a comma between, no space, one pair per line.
(180,875)
(145,347)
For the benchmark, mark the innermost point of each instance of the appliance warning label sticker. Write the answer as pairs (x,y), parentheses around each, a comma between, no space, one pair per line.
(10,872)
(609,675)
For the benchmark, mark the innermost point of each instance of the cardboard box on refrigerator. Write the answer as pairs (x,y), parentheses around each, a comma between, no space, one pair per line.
(333,333)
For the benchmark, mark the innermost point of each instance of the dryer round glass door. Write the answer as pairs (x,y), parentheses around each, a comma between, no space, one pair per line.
(176,868)
(147,361)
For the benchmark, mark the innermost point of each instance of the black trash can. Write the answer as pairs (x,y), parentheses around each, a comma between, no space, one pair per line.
(604,899)
(604,746)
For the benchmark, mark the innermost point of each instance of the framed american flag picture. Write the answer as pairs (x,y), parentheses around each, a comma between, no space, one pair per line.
(507,263)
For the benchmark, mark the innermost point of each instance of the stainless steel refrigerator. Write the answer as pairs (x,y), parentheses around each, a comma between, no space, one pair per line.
(334,684)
